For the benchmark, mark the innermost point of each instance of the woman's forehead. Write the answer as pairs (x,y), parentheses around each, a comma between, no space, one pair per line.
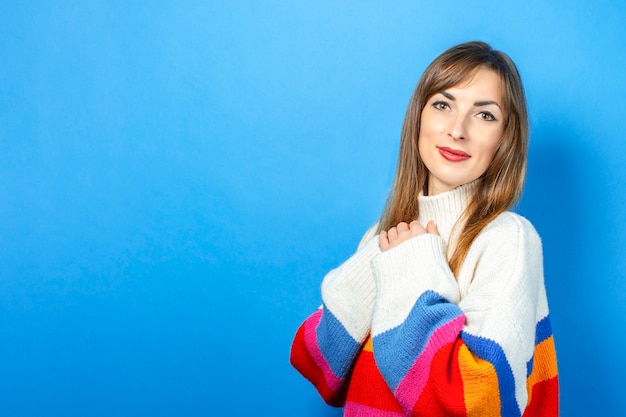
(482,84)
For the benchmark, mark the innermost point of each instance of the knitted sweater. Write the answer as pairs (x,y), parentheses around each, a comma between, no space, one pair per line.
(398,335)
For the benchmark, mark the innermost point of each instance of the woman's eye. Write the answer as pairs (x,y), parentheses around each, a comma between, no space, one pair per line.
(485,115)
(441,105)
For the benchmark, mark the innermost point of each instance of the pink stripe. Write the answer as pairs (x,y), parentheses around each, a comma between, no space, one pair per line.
(413,383)
(359,410)
(310,338)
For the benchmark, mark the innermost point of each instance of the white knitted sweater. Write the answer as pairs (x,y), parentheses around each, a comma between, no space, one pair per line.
(398,296)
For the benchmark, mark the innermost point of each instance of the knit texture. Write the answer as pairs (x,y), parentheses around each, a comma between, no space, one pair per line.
(399,335)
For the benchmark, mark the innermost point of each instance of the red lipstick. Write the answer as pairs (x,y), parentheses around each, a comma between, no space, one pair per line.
(452,155)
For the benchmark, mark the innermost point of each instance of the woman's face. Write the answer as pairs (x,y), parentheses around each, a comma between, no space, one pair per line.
(460,131)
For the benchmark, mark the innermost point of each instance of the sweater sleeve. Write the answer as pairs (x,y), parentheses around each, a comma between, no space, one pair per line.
(444,350)
(327,343)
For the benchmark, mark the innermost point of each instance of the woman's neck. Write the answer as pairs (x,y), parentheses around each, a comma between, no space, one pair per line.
(445,208)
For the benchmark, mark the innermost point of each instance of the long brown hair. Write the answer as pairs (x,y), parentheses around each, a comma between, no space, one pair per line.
(501,184)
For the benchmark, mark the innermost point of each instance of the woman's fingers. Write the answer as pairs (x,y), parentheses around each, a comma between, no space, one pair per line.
(403,231)
(402,227)
(431,227)
(400,233)
(389,239)
(392,234)
(417,228)
(383,241)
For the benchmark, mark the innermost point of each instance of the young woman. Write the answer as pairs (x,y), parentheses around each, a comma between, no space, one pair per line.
(442,311)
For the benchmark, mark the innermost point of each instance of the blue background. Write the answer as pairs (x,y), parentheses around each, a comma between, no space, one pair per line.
(177,178)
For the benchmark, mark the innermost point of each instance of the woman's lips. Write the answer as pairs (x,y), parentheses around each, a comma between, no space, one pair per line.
(452,155)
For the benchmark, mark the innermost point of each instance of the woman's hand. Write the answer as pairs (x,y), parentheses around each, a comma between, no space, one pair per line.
(404,231)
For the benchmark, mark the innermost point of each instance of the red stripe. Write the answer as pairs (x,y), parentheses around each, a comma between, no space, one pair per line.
(302,360)
(367,386)
(443,393)
(413,383)
(544,401)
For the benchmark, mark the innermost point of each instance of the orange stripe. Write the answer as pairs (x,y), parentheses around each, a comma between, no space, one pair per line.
(480,385)
(544,365)
(368,347)
(545,399)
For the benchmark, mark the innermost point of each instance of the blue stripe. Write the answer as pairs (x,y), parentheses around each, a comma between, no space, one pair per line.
(542,332)
(492,352)
(396,350)
(529,366)
(336,344)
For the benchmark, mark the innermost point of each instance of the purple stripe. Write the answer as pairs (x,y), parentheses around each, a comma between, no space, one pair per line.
(359,410)
(310,338)
(397,349)
(412,385)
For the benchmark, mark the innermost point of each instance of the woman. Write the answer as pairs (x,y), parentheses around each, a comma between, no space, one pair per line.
(442,310)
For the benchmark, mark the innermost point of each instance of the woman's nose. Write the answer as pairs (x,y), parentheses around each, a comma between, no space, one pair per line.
(458,129)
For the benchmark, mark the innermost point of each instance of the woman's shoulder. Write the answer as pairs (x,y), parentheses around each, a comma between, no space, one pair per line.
(510,226)
(369,234)
(508,243)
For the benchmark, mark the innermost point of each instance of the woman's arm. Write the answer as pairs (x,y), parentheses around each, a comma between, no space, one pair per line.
(327,343)
(488,351)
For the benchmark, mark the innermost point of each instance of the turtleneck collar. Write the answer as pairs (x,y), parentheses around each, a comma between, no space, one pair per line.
(445,208)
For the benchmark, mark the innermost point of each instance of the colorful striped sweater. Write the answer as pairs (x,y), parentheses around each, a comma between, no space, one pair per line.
(398,335)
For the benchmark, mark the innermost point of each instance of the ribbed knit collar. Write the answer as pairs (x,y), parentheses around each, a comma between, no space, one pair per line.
(445,208)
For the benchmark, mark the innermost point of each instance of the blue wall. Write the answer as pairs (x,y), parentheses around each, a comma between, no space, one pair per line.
(177,178)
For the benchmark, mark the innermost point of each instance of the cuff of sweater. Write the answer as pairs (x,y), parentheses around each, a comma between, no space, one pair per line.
(414,267)
(349,291)
(403,274)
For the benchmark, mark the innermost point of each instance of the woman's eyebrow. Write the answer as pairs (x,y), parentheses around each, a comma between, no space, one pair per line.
(486,103)
(448,95)
(476,104)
